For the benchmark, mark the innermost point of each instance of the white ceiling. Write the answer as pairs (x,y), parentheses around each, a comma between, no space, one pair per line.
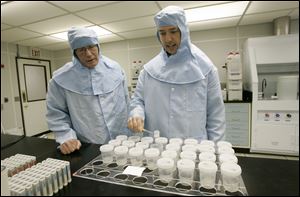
(30,23)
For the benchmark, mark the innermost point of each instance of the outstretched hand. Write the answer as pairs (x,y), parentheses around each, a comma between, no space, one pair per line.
(136,124)
(70,146)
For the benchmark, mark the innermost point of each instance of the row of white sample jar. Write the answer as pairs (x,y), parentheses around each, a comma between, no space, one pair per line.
(179,156)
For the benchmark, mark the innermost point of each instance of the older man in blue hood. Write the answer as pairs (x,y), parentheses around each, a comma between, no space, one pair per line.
(87,98)
(178,92)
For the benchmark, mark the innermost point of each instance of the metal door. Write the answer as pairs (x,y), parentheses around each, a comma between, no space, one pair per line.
(33,77)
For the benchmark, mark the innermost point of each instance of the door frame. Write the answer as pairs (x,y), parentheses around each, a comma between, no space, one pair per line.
(19,88)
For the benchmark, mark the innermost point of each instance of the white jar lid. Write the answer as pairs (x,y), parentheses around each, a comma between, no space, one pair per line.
(230,169)
(225,157)
(143,145)
(152,152)
(161,140)
(106,148)
(208,142)
(170,154)
(165,163)
(185,164)
(225,149)
(128,143)
(188,155)
(190,141)
(173,146)
(115,142)
(189,147)
(224,143)
(176,141)
(147,139)
(207,166)
(207,156)
(136,152)
(120,150)
(205,148)
(122,137)
(135,138)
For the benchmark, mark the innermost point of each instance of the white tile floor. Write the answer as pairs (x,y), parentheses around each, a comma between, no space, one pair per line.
(51,136)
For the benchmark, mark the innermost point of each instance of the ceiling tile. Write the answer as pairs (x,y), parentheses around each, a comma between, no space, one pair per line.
(213,24)
(80,5)
(55,47)
(266,6)
(24,12)
(189,4)
(39,41)
(16,34)
(128,25)
(262,18)
(58,24)
(139,33)
(109,38)
(120,11)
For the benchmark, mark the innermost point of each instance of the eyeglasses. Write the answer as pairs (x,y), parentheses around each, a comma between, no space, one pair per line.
(170,31)
(83,50)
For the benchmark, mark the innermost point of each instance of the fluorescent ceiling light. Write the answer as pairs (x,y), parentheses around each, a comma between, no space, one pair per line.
(216,11)
(62,35)
(99,31)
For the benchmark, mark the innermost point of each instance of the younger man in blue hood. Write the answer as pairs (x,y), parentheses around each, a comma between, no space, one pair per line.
(178,92)
(87,98)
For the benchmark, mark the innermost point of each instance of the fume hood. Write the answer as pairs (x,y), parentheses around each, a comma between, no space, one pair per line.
(269,62)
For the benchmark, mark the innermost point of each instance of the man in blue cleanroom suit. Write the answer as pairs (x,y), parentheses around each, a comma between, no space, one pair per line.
(178,92)
(87,98)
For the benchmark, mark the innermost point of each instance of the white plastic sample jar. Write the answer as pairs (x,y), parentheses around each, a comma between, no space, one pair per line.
(176,141)
(136,156)
(151,155)
(128,143)
(207,171)
(170,154)
(107,153)
(190,141)
(144,145)
(115,142)
(205,148)
(224,143)
(135,138)
(121,137)
(231,172)
(147,139)
(121,155)
(165,169)
(207,156)
(174,146)
(189,147)
(188,155)
(225,149)
(186,168)
(226,157)
(161,140)
(208,142)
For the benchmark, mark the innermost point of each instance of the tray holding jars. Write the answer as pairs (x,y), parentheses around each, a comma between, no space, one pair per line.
(113,173)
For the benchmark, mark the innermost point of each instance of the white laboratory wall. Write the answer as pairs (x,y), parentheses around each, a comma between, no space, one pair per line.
(216,43)
(11,118)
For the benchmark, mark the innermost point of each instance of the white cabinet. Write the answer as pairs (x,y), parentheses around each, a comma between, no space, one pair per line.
(238,124)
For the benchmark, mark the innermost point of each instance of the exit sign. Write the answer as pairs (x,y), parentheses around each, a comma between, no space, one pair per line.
(35,52)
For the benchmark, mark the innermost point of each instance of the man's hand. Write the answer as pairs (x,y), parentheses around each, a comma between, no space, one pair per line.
(70,146)
(136,124)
